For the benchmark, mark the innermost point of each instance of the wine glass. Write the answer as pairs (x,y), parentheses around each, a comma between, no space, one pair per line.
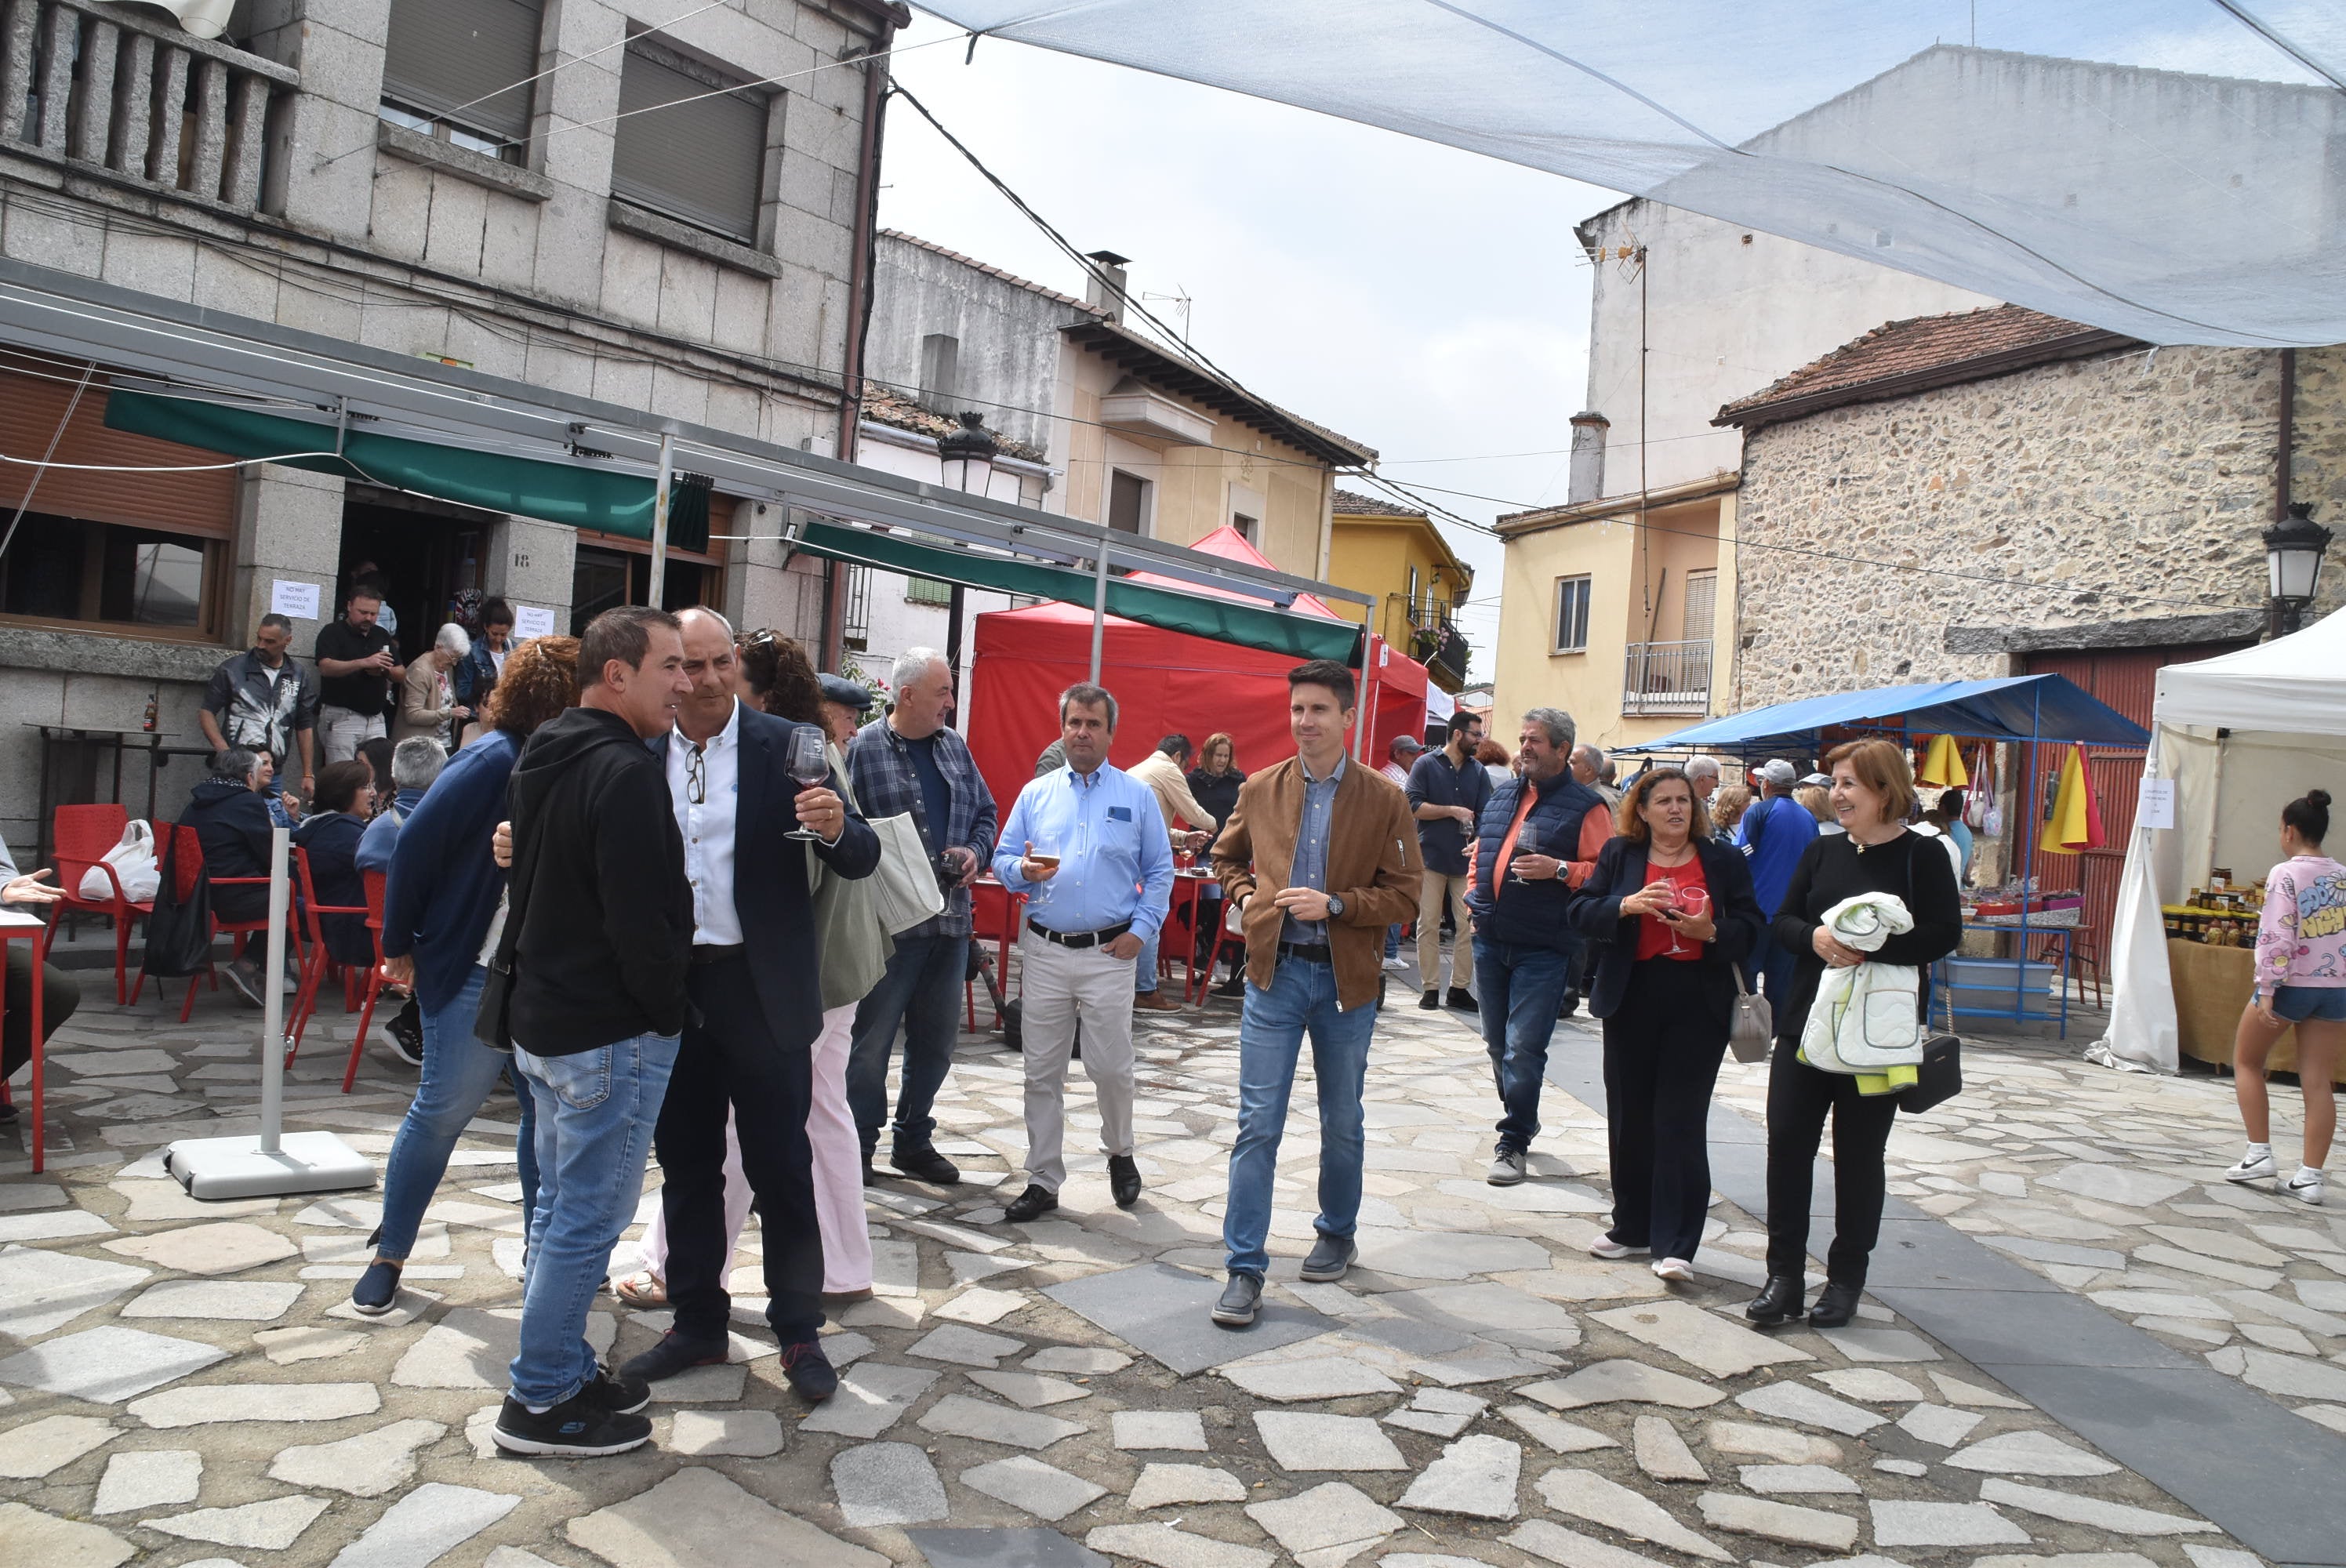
(1527,842)
(1689,901)
(810,765)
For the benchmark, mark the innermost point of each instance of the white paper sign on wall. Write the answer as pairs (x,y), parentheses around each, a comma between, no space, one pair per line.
(530,623)
(2155,807)
(299,600)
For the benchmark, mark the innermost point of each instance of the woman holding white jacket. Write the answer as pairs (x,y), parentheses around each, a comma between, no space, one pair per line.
(1872,797)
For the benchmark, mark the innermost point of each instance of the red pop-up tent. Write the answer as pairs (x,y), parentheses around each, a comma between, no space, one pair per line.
(1163,682)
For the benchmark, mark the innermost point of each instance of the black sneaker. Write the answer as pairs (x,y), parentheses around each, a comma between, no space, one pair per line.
(809,1371)
(617,1392)
(577,1427)
(244,975)
(405,1034)
(376,1291)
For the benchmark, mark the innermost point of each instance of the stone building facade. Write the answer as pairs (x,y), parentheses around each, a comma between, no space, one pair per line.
(2082,492)
(674,221)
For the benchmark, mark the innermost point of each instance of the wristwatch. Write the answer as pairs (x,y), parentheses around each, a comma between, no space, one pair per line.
(1335,906)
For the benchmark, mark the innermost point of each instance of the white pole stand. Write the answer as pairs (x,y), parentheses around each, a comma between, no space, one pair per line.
(273,1162)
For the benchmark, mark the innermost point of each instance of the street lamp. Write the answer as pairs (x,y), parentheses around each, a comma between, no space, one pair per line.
(967,456)
(2293,549)
(968,453)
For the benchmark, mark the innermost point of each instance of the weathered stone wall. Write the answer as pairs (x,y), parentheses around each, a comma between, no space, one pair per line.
(2320,447)
(2130,487)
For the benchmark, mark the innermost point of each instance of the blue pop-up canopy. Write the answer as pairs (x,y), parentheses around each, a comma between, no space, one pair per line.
(2017,708)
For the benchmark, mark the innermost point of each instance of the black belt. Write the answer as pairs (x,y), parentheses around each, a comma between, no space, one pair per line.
(1313,952)
(712,952)
(1079,940)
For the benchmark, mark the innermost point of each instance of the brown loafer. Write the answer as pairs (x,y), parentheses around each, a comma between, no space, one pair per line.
(1154,1002)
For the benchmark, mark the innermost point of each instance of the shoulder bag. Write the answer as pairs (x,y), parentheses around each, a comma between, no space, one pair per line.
(1940,1078)
(179,931)
(905,890)
(1753,1032)
(493,1021)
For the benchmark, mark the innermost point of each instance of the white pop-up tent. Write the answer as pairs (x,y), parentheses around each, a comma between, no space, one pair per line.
(2241,735)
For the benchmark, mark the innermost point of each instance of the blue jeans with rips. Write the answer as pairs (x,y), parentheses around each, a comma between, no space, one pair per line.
(1301,1000)
(1521,988)
(596,1113)
(922,989)
(459,1071)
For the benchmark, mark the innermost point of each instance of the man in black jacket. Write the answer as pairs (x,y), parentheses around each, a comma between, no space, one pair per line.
(757,995)
(603,917)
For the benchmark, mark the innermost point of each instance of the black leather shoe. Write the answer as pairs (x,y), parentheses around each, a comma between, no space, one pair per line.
(809,1371)
(1462,1000)
(1569,1005)
(1034,1203)
(1836,1305)
(1241,1299)
(1778,1301)
(674,1354)
(1330,1256)
(1431,1002)
(926,1165)
(1124,1180)
(1234,986)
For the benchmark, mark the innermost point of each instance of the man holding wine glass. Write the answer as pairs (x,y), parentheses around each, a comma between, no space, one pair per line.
(1538,839)
(739,780)
(1086,844)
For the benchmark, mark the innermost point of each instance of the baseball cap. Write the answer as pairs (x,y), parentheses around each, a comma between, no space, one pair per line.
(838,689)
(1407,743)
(1822,780)
(1778,772)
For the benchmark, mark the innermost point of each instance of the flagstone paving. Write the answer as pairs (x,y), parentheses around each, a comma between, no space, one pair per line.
(183,1383)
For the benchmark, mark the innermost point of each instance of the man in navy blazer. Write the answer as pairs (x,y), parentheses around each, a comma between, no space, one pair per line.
(755,985)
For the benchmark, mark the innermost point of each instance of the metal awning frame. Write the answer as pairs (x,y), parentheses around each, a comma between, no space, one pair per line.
(331,381)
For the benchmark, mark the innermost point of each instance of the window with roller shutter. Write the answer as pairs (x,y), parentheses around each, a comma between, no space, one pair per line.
(460,69)
(690,143)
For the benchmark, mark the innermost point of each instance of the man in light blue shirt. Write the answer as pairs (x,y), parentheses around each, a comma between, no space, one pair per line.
(1087,846)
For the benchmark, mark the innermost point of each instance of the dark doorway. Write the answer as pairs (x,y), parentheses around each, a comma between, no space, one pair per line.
(618,572)
(428,557)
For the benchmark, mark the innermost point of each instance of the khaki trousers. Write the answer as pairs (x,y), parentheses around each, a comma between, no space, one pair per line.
(1431,892)
(1062,986)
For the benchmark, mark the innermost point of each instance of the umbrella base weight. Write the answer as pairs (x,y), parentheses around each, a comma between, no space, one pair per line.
(214,1169)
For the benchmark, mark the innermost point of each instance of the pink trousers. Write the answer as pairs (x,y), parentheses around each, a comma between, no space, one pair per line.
(838,1174)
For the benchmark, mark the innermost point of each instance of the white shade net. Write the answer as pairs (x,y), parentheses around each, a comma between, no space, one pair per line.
(2172,169)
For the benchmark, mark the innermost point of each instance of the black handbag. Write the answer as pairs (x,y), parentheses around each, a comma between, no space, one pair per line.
(1940,1078)
(179,931)
(493,1021)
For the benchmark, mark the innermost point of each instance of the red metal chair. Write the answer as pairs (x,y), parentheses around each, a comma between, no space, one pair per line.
(83,834)
(316,961)
(994,917)
(375,980)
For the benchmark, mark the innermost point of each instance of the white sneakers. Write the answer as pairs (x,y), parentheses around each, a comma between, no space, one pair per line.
(1677,1270)
(1395,964)
(2256,1165)
(1606,1247)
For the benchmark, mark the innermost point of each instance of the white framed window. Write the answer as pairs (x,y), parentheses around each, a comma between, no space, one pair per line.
(1572,615)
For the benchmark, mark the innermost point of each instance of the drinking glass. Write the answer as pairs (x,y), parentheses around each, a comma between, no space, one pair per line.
(1527,843)
(810,765)
(1045,852)
(1687,901)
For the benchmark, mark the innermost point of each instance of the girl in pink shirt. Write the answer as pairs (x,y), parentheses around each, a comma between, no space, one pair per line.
(2300,983)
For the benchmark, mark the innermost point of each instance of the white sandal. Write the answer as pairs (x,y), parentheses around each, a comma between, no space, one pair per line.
(642,1289)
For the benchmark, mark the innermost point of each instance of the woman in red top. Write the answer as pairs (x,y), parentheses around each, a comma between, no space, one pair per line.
(1667,911)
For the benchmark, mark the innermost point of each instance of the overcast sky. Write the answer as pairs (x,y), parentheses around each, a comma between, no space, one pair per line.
(1428,302)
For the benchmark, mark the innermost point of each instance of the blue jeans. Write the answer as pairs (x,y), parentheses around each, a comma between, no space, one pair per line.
(1301,1000)
(921,990)
(1392,941)
(596,1112)
(1521,989)
(459,1071)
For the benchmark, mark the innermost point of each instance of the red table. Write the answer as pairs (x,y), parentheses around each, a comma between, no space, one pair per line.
(15,923)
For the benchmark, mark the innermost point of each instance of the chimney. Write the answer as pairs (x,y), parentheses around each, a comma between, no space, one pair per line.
(1104,298)
(1588,479)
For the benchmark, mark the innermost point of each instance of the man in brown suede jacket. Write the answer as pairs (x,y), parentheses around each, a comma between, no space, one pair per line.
(1319,857)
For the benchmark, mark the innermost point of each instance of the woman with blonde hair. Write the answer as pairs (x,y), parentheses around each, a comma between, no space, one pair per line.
(1874,854)
(1727,808)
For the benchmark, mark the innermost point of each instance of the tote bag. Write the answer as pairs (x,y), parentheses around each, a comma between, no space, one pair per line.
(135,870)
(179,931)
(905,890)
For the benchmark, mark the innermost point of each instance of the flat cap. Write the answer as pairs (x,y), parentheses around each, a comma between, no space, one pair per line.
(838,689)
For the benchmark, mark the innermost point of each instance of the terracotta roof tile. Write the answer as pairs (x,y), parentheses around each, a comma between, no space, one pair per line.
(881,406)
(1999,338)
(1352,503)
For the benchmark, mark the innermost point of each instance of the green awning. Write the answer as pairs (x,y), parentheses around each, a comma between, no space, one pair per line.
(571,493)
(1223,620)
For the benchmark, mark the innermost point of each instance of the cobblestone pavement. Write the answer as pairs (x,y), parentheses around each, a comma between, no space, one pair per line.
(183,1383)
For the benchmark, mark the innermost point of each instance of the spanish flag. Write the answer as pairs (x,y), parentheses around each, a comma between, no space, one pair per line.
(1943,765)
(2075,823)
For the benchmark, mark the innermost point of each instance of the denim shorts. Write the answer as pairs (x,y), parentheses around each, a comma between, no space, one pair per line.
(2318,1003)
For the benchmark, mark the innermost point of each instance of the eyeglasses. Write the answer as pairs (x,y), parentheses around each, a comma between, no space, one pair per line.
(696,778)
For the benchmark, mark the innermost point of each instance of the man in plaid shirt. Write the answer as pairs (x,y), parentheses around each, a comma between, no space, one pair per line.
(909,762)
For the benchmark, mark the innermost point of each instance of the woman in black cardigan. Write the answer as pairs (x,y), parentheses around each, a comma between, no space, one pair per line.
(1872,797)
(1665,986)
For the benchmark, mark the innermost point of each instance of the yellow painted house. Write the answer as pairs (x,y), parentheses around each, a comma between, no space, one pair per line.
(1386,550)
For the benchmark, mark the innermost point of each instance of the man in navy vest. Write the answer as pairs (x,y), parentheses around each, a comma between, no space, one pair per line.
(1524,950)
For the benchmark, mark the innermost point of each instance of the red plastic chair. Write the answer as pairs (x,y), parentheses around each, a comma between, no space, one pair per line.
(375,981)
(994,917)
(316,961)
(83,834)
(187,867)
